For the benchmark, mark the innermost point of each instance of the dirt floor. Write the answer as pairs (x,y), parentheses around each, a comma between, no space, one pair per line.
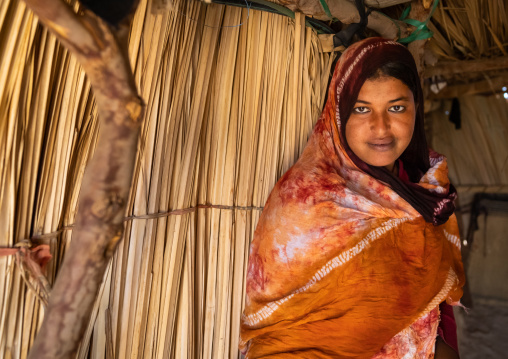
(483,331)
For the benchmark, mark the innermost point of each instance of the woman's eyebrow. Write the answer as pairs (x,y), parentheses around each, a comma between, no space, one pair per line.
(403,98)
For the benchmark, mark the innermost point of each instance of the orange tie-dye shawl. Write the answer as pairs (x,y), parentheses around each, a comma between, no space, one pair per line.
(341,262)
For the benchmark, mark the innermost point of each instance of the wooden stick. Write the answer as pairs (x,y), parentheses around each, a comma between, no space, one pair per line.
(449,68)
(489,86)
(417,47)
(99,224)
(347,13)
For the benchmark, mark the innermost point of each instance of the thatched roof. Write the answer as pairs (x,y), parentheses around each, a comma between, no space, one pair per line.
(470,43)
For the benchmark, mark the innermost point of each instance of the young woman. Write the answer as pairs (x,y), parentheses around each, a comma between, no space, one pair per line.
(357,245)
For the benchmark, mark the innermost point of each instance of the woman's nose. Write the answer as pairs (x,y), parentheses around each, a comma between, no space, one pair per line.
(380,122)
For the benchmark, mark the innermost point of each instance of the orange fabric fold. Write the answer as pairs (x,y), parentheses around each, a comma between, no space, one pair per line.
(340,263)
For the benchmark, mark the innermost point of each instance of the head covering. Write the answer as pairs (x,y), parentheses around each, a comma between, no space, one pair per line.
(345,257)
(435,207)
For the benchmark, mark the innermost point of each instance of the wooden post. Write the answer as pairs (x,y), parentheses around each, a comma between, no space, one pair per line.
(419,12)
(347,13)
(99,224)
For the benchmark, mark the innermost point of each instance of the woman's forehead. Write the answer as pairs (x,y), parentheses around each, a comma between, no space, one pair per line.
(386,88)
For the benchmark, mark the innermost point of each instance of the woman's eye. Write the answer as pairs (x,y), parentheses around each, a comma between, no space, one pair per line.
(361,109)
(397,108)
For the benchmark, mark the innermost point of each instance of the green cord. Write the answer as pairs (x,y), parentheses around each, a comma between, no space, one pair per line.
(421,32)
(281,9)
(326,9)
(316,25)
(320,29)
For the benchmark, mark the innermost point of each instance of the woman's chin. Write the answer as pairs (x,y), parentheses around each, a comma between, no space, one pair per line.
(388,164)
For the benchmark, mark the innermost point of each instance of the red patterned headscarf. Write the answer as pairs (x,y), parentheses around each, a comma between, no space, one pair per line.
(345,256)
(434,207)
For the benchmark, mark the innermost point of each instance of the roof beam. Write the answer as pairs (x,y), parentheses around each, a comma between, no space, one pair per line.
(489,86)
(380,4)
(346,12)
(448,68)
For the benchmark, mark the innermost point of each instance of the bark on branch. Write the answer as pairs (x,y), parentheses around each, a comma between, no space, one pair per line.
(491,86)
(347,13)
(420,10)
(450,68)
(99,224)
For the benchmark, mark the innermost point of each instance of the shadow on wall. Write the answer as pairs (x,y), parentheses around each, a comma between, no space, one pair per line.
(478,161)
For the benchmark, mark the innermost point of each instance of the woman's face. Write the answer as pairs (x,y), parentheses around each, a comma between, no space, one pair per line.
(382,122)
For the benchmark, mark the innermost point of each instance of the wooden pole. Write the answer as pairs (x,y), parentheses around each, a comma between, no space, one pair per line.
(99,224)
(347,13)
(449,68)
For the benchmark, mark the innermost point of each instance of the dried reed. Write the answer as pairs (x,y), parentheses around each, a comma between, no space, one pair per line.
(46,135)
(470,29)
(232,95)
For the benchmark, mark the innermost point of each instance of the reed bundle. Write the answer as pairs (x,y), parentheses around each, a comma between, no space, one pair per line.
(232,95)
(47,130)
(470,29)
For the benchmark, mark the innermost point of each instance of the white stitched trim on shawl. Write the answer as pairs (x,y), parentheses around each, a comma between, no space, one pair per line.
(350,69)
(451,280)
(440,205)
(435,160)
(344,257)
(452,238)
(438,299)
(430,178)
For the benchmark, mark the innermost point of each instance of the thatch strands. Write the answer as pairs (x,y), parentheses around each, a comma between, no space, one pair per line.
(47,129)
(226,116)
(232,95)
(483,123)
(470,29)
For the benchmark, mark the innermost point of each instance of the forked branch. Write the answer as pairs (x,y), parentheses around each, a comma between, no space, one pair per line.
(100,48)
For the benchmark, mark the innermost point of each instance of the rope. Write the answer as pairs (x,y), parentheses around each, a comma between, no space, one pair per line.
(263,5)
(30,268)
(175,212)
(190,210)
(30,261)
(421,32)
(327,10)
(247,5)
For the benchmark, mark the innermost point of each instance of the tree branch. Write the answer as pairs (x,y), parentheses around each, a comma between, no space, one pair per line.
(106,184)
(489,86)
(449,68)
(419,12)
(384,3)
(347,13)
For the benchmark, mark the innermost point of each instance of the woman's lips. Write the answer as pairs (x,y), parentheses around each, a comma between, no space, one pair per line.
(381,145)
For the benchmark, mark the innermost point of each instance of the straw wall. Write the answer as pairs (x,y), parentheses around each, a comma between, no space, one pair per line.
(231,98)
(47,130)
(470,29)
(477,151)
